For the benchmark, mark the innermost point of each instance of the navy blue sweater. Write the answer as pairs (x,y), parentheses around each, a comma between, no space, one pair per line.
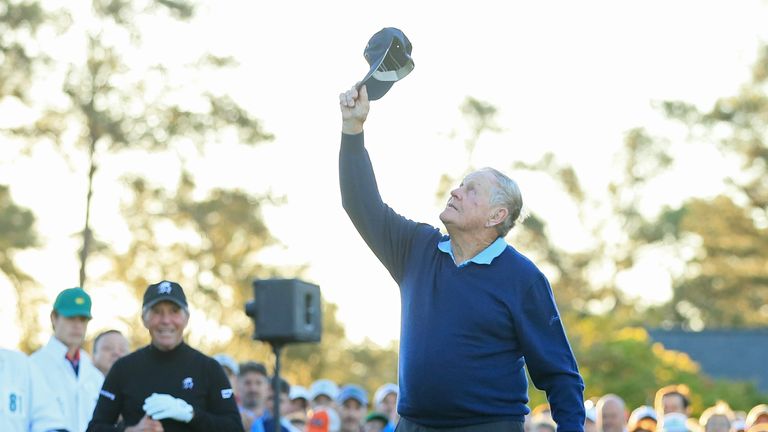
(466,332)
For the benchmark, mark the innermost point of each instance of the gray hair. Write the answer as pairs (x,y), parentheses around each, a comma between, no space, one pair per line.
(506,194)
(147,309)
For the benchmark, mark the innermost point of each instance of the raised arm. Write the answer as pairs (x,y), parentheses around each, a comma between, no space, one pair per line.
(387,233)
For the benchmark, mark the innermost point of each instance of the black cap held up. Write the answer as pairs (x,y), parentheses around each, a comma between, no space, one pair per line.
(389,54)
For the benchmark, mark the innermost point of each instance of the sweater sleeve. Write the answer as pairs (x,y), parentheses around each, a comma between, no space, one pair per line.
(549,357)
(220,413)
(109,404)
(387,233)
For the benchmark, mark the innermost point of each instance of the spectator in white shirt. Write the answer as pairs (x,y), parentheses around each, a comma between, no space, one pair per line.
(28,405)
(71,376)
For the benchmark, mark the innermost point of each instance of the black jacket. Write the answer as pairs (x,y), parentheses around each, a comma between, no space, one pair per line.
(183,373)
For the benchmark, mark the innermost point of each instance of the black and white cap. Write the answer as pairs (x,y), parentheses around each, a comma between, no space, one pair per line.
(164,291)
(388,54)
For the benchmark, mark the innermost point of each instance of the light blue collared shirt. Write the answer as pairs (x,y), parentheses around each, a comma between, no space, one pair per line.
(485,256)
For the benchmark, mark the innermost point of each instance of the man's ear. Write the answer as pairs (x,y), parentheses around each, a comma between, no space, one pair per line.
(498,216)
(144,314)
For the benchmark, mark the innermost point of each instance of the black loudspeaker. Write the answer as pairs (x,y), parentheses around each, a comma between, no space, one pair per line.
(285,310)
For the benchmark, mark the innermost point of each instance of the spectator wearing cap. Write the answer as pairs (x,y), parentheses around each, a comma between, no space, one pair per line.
(611,414)
(166,386)
(231,369)
(476,312)
(385,401)
(299,399)
(375,422)
(757,415)
(253,389)
(68,370)
(642,419)
(109,346)
(717,418)
(28,404)
(353,404)
(323,393)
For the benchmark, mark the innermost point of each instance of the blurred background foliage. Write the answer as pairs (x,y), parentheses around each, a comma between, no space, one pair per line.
(105,104)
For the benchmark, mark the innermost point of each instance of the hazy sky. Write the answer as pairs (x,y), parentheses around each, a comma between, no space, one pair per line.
(567,77)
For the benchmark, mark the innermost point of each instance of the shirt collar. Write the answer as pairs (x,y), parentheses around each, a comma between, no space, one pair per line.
(73,359)
(57,347)
(485,256)
(59,350)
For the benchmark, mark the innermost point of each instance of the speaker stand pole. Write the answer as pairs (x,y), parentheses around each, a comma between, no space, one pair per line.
(277,347)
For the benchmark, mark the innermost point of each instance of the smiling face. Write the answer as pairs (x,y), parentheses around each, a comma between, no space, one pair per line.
(166,322)
(469,207)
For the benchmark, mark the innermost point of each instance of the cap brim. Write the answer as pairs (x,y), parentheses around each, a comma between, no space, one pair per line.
(153,302)
(72,314)
(355,398)
(377,416)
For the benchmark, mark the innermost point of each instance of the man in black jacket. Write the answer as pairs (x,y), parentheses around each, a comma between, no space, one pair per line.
(167,386)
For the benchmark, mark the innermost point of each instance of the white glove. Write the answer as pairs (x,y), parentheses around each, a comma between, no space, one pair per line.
(165,406)
(158,402)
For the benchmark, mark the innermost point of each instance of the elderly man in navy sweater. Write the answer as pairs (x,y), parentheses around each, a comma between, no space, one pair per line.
(474,310)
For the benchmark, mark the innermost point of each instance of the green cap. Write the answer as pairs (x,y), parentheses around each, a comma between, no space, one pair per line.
(73,302)
(375,415)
